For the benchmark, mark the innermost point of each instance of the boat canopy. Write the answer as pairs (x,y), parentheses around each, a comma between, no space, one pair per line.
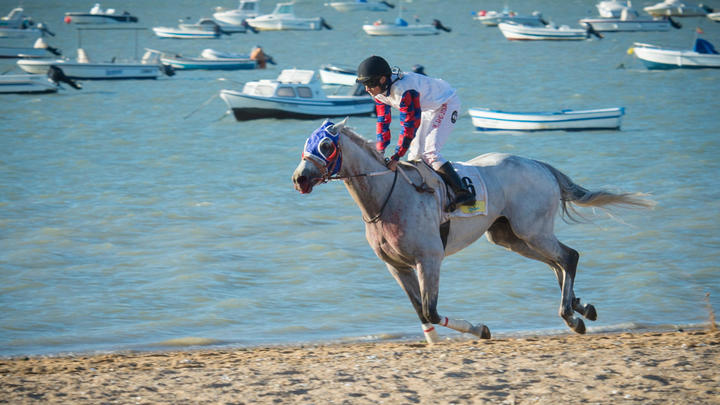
(703,46)
(296,76)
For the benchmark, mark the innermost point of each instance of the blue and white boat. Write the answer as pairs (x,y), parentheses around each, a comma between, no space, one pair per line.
(208,60)
(295,94)
(703,55)
(484,119)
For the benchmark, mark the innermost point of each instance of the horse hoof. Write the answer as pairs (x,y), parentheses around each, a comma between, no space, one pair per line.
(590,313)
(481,332)
(579,327)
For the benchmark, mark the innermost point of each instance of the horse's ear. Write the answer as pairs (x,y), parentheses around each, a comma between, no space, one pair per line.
(340,125)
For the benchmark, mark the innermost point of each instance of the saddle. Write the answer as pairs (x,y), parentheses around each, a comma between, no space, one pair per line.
(469,175)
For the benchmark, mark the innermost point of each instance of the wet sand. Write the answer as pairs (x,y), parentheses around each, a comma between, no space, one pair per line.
(644,368)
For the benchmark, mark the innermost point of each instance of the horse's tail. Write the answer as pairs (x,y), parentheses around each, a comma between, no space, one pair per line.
(578,195)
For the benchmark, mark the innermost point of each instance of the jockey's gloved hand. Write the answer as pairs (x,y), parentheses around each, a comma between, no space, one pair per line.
(393,158)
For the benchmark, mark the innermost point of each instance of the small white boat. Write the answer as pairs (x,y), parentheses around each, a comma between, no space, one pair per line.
(676,8)
(237,16)
(35,83)
(521,32)
(16,18)
(484,119)
(83,69)
(283,18)
(204,28)
(294,94)
(20,33)
(703,55)
(360,5)
(26,84)
(338,74)
(208,60)
(40,49)
(493,18)
(629,20)
(714,16)
(99,16)
(402,27)
(612,8)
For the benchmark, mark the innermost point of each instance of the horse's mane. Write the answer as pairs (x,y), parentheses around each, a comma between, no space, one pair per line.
(360,141)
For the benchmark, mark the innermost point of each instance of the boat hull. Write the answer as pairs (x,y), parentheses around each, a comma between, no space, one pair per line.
(247,107)
(347,6)
(26,84)
(88,18)
(619,25)
(565,120)
(399,30)
(276,24)
(19,52)
(93,71)
(166,32)
(209,64)
(519,32)
(658,58)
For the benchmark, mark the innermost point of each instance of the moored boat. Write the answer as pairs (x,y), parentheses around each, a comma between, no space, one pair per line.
(676,8)
(295,93)
(338,74)
(204,28)
(493,18)
(283,18)
(629,20)
(520,32)
(402,27)
(35,83)
(360,5)
(484,119)
(84,69)
(206,61)
(97,15)
(703,55)
(237,16)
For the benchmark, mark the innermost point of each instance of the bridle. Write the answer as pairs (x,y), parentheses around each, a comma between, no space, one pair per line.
(326,156)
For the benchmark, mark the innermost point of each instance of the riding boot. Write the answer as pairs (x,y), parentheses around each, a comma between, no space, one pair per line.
(463,196)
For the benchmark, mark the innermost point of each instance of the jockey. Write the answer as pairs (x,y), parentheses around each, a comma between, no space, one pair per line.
(428,111)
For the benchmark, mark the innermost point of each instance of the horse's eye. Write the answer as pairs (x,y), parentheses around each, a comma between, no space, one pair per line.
(326,148)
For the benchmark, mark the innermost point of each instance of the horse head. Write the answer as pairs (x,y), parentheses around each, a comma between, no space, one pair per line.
(321,157)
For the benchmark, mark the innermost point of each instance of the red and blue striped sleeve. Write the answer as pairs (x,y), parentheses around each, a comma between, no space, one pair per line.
(384,117)
(410,116)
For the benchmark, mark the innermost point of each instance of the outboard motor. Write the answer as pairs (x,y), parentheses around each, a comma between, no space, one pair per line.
(57,76)
(437,24)
(167,70)
(324,24)
(591,31)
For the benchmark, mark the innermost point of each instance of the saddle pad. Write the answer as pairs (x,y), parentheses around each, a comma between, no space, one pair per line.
(475,183)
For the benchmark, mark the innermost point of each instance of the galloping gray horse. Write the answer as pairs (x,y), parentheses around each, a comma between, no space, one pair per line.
(403,220)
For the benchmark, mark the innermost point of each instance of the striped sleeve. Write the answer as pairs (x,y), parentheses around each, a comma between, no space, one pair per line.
(410,116)
(384,117)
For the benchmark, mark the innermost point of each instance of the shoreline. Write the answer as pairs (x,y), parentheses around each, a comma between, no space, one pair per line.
(647,367)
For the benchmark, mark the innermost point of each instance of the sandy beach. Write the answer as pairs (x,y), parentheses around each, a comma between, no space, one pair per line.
(680,367)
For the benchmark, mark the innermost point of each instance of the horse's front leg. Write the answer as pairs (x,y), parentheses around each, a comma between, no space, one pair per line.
(408,281)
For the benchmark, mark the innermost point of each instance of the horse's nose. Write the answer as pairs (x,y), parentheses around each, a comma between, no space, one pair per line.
(301,182)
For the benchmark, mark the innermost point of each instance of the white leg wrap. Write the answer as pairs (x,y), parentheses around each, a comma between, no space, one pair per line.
(431,335)
(459,325)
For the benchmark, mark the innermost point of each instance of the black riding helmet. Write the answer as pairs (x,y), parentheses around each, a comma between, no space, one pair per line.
(371,70)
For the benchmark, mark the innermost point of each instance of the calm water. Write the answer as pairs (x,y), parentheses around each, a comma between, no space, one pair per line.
(136,215)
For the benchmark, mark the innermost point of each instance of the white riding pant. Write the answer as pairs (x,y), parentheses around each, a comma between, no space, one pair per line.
(435,128)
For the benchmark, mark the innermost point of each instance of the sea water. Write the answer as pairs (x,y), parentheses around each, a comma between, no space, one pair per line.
(139,215)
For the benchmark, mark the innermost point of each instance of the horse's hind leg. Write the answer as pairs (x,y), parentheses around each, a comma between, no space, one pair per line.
(562,259)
